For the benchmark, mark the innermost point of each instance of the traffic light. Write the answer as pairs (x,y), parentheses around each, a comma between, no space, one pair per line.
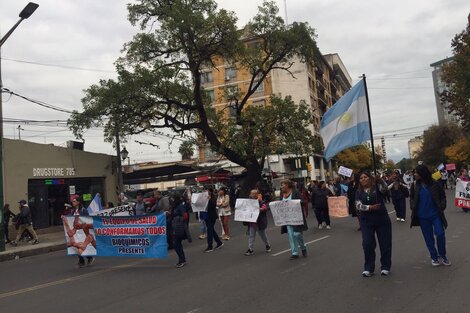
(309,167)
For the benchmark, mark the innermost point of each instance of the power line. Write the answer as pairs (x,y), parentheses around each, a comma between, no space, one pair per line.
(60,66)
(38,102)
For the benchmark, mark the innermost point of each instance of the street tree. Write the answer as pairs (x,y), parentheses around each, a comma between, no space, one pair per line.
(456,75)
(406,164)
(159,84)
(435,140)
(186,149)
(459,152)
(358,158)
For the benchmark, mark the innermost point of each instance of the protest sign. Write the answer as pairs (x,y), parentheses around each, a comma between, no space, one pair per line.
(338,206)
(286,212)
(123,210)
(440,167)
(436,175)
(131,236)
(450,167)
(199,201)
(246,210)
(345,171)
(462,194)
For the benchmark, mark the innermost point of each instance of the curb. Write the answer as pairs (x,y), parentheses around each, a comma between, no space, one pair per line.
(7,256)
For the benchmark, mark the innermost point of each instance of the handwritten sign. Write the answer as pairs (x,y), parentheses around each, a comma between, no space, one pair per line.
(462,194)
(286,212)
(345,171)
(199,201)
(123,210)
(246,210)
(338,206)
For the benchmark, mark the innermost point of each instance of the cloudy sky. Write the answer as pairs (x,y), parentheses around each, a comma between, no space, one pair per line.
(67,45)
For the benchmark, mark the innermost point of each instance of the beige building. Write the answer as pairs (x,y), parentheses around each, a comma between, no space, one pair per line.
(414,146)
(47,176)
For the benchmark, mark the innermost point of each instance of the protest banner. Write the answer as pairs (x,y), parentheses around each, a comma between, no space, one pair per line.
(462,194)
(286,212)
(246,210)
(199,201)
(436,175)
(345,171)
(124,236)
(450,167)
(338,206)
(123,210)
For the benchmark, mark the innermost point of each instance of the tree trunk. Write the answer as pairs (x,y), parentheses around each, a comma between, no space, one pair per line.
(253,179)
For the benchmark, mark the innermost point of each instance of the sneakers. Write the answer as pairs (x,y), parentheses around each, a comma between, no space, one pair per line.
(445,261)
(249,252)
(203,236)
(180,264)
(90,261)
(402,220)
(398,219)
(304,253)
(208,250)
(328,227)
(367,274)
(320,226)
(268,248)
(13,243)
(34,242)
(384,272)
(219,246)
(435,263)
(294,257)
(225,237)
(81,264)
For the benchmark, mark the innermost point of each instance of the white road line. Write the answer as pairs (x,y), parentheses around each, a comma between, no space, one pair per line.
(307,243)
(391,212)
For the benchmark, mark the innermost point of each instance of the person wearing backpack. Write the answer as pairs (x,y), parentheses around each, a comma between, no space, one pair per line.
(180,229)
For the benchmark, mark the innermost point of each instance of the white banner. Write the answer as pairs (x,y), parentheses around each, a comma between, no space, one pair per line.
(286,212)
(123,210)
(246,210)
(462,194)
(345,171)
(199,201)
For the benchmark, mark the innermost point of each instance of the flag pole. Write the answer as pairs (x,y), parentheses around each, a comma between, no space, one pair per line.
(370,125)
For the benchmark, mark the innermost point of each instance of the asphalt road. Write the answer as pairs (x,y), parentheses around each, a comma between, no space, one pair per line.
(328,280)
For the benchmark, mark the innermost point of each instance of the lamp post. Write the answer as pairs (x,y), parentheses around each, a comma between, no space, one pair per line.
(124,155)
(24,14)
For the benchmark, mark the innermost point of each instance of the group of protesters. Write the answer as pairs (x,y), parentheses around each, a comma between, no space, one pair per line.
(23,223)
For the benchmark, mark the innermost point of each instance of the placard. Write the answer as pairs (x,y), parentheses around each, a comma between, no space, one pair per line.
(287,212)
(199,201)
(338,206)
(462,194)
(345,171)
(246,210)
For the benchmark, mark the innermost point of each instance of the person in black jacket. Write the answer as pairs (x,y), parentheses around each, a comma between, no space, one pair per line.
(399,192)
(180,228)
(25,222)
(428,202)
(320,205)
(212,217)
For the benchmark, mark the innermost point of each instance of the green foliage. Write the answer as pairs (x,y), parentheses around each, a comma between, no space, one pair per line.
(456,75)
(159,80)
(186,149)
(435,140)
(406,164)
(357,158)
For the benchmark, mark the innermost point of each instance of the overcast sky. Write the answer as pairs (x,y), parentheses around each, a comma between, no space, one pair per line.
(77,42)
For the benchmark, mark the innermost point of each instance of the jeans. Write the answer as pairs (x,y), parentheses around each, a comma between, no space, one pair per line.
(252,236)
(296,239)
(400,207)
(202,226)
(431,227)
(22,228)
(212,234)
(178,247)
(381,226)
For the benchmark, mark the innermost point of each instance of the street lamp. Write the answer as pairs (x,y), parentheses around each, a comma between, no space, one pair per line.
(24,14)
(124,153)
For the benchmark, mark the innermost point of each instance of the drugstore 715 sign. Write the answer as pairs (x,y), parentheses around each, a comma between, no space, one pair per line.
(53,171)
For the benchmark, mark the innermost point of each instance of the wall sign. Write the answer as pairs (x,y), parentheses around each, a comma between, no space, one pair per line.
(53,171)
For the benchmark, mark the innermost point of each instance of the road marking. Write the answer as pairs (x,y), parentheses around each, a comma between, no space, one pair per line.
(307,243)
(67,280)
(391,212)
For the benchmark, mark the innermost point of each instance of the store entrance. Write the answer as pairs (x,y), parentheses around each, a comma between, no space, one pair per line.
(57,197)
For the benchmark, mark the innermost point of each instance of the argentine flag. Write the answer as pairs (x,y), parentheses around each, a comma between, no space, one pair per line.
(346,123)
(95,205)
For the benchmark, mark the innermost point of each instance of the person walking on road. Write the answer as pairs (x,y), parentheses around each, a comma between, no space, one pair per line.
(374,220)
(223,206)
(320,205)
(25,222)
(260,225)
(294,232)
(428,202)
(212,217)
(179,217)
(399,192)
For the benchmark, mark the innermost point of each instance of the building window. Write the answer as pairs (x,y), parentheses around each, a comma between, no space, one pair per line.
(206,77)
(231,92)
(260,87)
(211,95)
(230,73)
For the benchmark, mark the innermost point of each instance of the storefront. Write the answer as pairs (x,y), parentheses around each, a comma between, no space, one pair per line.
(48,176)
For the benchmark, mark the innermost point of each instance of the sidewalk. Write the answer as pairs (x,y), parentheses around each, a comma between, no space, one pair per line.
(50,239)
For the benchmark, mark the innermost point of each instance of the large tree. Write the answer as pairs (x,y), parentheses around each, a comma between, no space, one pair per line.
(358,158)
(159,81)
(456,75)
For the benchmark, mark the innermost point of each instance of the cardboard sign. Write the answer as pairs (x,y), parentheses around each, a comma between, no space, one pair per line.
(450,167)
(287,212)
(199,201)
(338,206)
(345,171)
(246,210)
(462,194)
(437,175)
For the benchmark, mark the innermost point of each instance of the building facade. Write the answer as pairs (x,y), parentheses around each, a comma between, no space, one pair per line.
(47,177)
(443,116)
(415,146)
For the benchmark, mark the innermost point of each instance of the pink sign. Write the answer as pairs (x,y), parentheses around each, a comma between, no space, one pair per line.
(338,206)
(450,167)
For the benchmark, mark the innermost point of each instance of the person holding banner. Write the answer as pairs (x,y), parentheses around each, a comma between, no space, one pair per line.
(428,202)
(260,225)
(463,176)
(374,220)
(212,217)
(294,232)
(79,210)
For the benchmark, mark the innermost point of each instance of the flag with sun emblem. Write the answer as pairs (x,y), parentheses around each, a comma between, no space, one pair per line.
(346,123)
